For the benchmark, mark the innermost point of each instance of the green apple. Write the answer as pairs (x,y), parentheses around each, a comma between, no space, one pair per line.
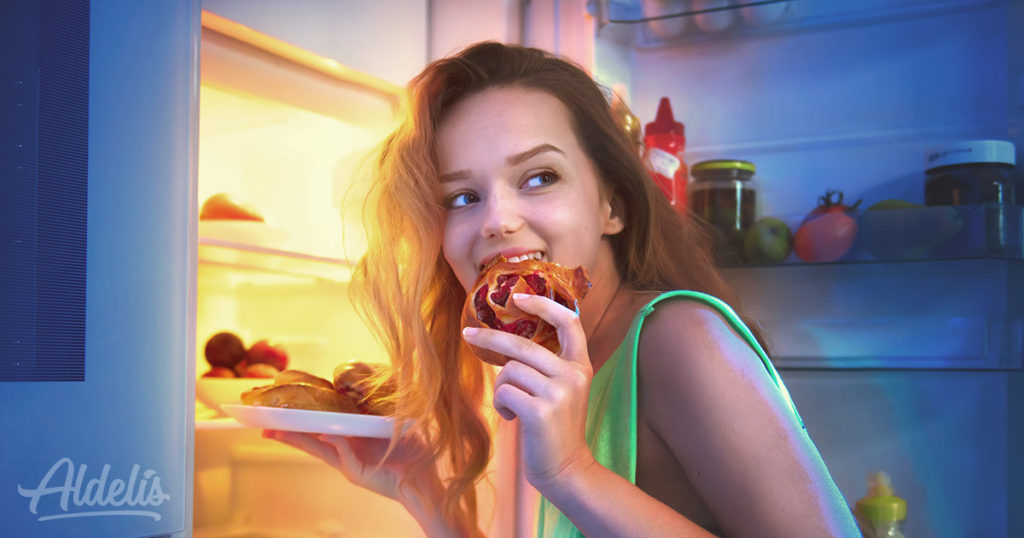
(769,240)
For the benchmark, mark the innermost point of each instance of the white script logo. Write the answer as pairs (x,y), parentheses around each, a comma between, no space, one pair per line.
(77,496)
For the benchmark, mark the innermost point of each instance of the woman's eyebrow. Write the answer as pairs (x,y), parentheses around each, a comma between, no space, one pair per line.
(518,158)
(454,176)
(512,160)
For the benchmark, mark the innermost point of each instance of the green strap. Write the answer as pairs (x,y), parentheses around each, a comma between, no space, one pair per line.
(612,408)
(737,324)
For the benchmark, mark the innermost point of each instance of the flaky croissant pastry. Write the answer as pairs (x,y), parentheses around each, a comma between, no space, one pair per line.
(295,389)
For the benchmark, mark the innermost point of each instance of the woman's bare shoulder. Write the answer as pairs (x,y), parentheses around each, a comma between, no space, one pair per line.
(677,331)
(706,394)
(690,344)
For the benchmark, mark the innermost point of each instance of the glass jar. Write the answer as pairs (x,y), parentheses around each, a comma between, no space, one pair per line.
(970,173)
(724,195)
(978,173)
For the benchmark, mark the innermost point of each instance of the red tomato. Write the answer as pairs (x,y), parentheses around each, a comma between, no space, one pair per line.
(828,232)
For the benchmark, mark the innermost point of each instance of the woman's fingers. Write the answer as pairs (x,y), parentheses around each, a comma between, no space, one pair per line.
(512,402)
(512,346)
(523,378)
(566,323)
(307,443)
(350,464)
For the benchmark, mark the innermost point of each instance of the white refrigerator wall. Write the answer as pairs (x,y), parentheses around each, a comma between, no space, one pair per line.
(833,96)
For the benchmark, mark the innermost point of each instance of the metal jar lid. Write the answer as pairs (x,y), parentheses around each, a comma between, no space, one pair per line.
(722,169)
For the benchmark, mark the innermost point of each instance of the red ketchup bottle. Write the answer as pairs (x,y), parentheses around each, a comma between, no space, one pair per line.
(665,140)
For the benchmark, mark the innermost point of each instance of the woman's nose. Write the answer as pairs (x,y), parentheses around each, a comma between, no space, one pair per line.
(501,215)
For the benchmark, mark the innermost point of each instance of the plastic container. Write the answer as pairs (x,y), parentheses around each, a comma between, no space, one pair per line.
(667,28)
(724,195)
(975,172)
(717,15)
(880,513)
(665,140)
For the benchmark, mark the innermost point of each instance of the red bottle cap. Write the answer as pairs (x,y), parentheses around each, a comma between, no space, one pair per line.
(664,122)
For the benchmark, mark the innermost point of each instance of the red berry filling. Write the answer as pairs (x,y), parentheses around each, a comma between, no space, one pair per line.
(485,313)
(537,283)
(505,283)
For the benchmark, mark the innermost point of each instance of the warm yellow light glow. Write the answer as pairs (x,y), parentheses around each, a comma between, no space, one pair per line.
(292,166)
(283,280)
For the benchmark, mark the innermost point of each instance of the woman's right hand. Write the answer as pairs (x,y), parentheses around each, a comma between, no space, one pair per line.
(359,459)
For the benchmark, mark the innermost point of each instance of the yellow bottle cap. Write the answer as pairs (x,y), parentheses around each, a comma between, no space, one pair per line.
(880,505)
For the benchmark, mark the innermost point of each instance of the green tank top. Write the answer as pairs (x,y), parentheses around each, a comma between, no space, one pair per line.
(612,408)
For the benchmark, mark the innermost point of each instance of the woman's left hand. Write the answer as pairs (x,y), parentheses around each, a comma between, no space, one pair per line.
(547,392)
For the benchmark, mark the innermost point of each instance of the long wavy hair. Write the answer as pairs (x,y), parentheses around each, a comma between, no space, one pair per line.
(411,297)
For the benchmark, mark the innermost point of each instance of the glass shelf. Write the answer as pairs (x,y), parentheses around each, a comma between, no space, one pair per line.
(925,233)
(208,418)
(964,314)
(655,23)
(262,265)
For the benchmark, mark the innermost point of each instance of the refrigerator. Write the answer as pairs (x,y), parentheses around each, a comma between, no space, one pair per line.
(120,119)
(910,366)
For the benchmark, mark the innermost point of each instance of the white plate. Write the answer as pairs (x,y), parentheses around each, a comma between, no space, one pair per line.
(217,391)
(301,420)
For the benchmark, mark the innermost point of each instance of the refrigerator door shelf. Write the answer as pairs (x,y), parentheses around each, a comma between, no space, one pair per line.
(241,262)
(725,19)
(935,314)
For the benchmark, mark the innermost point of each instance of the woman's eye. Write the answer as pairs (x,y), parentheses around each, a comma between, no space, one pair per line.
(460,199)
(541,179)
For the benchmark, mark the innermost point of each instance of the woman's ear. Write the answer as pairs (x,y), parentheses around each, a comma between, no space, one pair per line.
(613,211)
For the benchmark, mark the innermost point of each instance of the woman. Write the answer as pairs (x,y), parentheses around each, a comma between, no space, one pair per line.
(660,416)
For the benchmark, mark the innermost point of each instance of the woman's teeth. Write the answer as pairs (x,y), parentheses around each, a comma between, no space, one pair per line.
(530,256)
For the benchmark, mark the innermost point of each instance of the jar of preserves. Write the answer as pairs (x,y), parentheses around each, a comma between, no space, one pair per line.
(978,173)
(970,172)
(724,195)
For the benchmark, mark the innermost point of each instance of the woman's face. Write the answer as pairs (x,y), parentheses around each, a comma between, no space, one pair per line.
(516,182)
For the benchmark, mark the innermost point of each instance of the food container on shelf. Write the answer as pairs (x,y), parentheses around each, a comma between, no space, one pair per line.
(670,27)
(724,195)
(976,172)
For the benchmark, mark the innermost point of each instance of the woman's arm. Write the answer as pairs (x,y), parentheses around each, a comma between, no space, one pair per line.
(549,395)
(705,392)
(602,503)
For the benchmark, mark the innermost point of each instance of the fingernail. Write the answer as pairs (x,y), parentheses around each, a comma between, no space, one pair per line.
(469,331)
(521,296)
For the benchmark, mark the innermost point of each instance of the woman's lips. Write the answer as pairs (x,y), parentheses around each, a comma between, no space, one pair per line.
(514,256)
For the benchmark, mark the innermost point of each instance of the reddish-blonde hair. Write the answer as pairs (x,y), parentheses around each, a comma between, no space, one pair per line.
(409,293)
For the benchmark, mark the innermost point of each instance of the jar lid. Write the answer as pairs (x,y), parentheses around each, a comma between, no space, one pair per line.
(971,151)
(881,508)
(723,164)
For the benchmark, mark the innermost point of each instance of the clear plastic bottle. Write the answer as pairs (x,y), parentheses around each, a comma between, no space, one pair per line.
(880,513)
